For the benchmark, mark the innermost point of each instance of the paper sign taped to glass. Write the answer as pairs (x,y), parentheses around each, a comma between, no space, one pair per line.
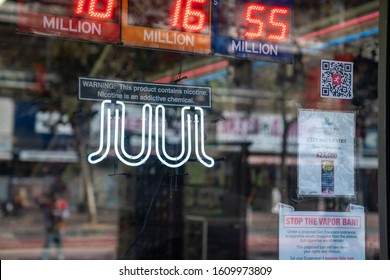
(326,142)
(320,235)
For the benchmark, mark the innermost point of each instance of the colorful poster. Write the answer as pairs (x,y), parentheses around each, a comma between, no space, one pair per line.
(326,142)
(322,235)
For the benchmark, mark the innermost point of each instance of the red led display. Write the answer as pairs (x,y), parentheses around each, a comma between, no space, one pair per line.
(266,22)
(231,27)
(179,15)
(91,20)
(253,29)
(97,9)
(191,18)
(255,20)
(180,25)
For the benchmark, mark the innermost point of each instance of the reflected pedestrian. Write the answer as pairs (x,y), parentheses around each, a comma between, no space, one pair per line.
(56,211)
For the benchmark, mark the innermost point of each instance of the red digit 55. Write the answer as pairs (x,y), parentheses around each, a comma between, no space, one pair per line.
(266,22)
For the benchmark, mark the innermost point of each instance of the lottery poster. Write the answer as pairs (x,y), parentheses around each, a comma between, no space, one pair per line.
(319,235)
(326,147)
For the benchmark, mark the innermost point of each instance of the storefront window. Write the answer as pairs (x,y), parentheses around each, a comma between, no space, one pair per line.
(229,129)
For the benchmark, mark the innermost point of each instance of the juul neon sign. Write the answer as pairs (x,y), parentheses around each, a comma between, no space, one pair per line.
(187,119)
(192,120)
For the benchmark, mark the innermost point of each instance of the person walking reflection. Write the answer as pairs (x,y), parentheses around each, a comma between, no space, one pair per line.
(55,211)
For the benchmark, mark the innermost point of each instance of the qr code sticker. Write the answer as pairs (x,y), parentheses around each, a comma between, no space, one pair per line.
(336,79)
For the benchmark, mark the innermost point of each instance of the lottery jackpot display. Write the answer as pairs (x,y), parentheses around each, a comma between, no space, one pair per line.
(254,30)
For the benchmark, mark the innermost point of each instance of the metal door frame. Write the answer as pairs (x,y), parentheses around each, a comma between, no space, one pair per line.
(383,131)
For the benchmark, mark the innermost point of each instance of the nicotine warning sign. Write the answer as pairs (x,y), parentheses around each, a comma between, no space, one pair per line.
(144,93)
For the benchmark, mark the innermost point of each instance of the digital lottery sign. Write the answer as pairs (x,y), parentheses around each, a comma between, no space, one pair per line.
(254,29)
(91,20)
(182,25)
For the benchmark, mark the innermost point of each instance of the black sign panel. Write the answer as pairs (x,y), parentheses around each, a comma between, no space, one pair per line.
(144,93)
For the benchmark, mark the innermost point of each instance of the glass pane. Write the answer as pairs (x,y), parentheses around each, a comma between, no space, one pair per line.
(91,179)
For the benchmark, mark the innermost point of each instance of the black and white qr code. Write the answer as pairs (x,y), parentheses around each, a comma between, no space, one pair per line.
(336,79)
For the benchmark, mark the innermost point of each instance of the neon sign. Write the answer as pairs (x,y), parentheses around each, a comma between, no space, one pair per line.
(187,122)
(191,120)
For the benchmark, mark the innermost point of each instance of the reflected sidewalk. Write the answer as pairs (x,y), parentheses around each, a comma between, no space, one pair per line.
(22,237)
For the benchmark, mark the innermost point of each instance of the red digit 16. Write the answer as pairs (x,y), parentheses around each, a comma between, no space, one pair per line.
(281,26)
(193,19)
(92,11)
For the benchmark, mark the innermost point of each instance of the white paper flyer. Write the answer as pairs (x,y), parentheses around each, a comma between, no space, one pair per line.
(326,147)
(318,235)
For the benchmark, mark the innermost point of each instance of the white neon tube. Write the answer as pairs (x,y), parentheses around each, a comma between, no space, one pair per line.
(131,157)
(142,157)
(178,161)
(102,113)
(146,106)
(183,148)
(210,159)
